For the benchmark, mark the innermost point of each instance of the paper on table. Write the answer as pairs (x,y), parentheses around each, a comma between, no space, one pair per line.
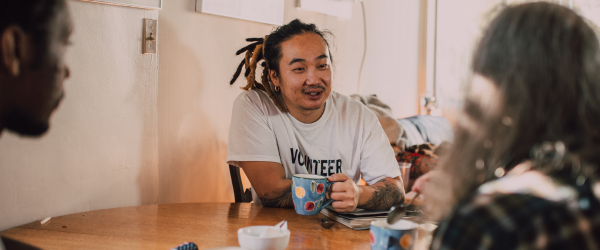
(359,212)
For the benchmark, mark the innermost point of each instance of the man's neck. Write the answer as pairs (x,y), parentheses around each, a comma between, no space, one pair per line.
(307,116)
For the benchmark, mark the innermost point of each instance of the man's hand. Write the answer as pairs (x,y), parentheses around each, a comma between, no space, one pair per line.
(344,192)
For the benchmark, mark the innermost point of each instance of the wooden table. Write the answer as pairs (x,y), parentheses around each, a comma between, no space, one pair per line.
(168,225)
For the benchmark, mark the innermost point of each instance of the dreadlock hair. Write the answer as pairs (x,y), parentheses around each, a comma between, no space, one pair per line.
(268,49)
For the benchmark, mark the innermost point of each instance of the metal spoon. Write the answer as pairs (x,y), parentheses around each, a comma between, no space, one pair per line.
(399,211)
(282,225)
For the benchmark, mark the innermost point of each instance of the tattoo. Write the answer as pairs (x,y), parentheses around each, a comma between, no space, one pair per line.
(384,197)
(283,201)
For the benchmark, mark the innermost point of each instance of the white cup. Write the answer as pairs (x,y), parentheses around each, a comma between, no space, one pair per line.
(249,238)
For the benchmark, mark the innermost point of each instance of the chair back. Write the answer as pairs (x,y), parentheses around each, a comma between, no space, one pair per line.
(239,193)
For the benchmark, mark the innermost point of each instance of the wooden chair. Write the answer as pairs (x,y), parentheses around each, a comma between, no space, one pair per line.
(240,194)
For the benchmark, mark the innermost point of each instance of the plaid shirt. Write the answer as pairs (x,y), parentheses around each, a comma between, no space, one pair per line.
(518,219)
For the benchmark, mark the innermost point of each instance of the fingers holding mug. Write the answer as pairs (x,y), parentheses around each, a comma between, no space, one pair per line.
(344,193)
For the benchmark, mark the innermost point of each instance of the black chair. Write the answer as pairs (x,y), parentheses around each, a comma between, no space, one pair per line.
(240,194)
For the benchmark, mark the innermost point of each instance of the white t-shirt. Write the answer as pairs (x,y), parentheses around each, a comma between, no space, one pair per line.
(346,139)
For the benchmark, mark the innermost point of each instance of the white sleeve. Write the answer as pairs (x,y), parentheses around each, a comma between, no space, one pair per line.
(377,159)
(250,136)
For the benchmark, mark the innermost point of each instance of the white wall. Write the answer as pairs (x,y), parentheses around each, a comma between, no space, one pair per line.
(460,26)
(197,60)
(391,68)
(101,150)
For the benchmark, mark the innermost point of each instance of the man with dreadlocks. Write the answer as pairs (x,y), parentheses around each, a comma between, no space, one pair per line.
(293,123)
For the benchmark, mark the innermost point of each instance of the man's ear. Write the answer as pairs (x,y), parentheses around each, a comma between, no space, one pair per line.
(13,49)
(274,77)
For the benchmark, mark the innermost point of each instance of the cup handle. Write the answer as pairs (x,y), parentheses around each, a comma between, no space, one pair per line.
(329,201)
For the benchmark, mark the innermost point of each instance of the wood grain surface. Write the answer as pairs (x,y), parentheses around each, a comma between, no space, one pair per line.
(165,226)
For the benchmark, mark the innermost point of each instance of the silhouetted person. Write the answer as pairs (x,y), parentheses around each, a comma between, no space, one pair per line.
(34,35)
(523,170)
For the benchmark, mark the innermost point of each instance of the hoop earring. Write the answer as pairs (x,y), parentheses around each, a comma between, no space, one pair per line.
(277,89)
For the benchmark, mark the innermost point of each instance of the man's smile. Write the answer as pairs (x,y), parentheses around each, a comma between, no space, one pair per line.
(314,93)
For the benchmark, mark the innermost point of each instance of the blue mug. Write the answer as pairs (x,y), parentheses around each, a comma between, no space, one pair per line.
(308,193)
(401,235)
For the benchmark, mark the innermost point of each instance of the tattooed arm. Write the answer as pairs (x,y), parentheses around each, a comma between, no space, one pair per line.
(383,195)
(269,182)
(284,200)
(379,196)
